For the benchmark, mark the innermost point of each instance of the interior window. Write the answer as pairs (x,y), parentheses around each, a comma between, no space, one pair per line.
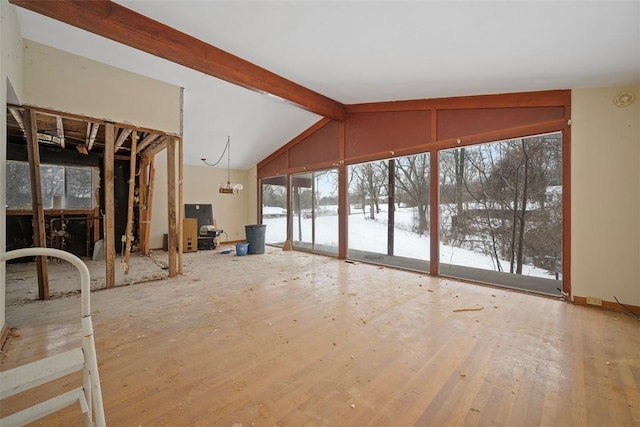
(63,187)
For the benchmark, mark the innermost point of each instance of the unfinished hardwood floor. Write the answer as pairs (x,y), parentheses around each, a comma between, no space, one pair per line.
(293,339)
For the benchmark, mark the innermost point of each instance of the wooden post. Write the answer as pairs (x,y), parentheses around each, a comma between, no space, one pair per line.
(96,224)
(142,200)
(434,202)
(147,225)
(171,183)
(132,189)
(180,205)
(39,235)
(391,207)
(434,226)
(180,188)
(109,204)
(343,198)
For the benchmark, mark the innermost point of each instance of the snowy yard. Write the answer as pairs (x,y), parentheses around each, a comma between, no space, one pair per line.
(371,236)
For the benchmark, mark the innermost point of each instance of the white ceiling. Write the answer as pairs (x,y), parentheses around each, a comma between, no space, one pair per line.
(366,51)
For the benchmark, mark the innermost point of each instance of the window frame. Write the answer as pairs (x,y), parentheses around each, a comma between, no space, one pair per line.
(27,206)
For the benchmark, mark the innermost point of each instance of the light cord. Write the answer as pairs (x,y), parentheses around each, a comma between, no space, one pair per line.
(226,148)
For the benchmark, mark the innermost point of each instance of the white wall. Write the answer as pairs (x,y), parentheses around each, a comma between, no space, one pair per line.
(61,81)
(605,206)
(10,74)
(200,184)
(252,195)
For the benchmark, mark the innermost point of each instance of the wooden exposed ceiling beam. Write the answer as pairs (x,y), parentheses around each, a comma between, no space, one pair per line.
(116,22)
(60,130)
(152,149)
(15,112)
(147,140)
(124,134)
(91,134)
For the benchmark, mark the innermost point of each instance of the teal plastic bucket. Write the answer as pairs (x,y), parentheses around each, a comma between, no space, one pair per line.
(242,249)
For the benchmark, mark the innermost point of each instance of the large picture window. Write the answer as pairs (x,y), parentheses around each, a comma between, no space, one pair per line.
(475,188)
(501,212)
(389,212)
(63,187)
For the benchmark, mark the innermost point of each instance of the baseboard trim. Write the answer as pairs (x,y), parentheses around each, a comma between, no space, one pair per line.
(607,305)
(232,242)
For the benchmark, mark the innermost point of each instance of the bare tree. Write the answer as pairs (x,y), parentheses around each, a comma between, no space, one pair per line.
(508,182)
(413,181)
(274,195)
(370,182)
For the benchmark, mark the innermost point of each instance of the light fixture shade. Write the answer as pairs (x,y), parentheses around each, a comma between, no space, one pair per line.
(228,188)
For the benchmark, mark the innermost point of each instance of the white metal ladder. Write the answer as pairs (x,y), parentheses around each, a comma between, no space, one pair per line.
(42,371)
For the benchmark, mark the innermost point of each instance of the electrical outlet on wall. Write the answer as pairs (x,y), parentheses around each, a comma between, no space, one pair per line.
(594,301)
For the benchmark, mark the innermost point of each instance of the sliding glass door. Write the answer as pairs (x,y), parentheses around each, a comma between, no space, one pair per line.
(274,209)
(314,211)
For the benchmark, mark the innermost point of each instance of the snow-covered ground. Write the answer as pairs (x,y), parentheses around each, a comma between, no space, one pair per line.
(371,236)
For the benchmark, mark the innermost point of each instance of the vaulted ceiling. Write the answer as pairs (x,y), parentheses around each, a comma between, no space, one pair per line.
(365,51)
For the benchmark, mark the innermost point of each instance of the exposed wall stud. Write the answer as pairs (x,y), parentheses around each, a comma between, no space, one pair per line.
(39,236)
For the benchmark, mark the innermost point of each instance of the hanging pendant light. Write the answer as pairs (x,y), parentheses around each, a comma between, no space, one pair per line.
(227,187)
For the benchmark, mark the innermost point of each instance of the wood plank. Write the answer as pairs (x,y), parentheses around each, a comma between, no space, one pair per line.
(343,198)
(171,208)
(292,338)
(39,235)
(15,112)
(51,212)
(566,202)
(609,305)
(152,180)
(116,22)
(97,222)
(298,139)
(77,117)
(434,203)
(143,176)
(155,147)
(60,131)
(549,98)
(391,206)
(132,189)
(124,134)
(109,201)
(91,137)
(147,140)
